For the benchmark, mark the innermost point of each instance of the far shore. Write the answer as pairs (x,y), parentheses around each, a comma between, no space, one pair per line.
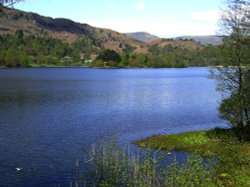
(49,66)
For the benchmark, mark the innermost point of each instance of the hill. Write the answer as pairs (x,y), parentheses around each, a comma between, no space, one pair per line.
(152,39)
(176,43)
(12,20)
(28,39)
(142,36)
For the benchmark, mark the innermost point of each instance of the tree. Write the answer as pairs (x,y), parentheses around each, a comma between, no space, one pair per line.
(9,2)
(110,56)
(232,79)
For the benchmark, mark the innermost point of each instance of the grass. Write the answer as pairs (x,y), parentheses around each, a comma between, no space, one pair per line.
(112,166)
(218,159)
(232,156)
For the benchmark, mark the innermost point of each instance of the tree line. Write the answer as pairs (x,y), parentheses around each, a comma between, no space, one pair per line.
(168,57)
(19,50)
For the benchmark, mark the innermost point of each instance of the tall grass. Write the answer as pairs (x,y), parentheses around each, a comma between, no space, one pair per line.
(113,166)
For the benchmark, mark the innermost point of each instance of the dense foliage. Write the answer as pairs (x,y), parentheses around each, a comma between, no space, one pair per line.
(25,51)
(234,81)
(20,50)
(110,57)
(166,57)
(232,155)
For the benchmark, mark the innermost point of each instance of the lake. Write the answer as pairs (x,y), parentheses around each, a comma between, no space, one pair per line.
(49,117)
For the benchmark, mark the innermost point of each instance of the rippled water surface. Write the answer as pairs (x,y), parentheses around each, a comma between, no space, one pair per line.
(50,116)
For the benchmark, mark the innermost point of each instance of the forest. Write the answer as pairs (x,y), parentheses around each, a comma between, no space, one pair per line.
(21,50)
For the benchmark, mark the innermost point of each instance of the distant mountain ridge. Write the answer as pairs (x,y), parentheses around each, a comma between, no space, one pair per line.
(142,36)
(149,38)
(204,40)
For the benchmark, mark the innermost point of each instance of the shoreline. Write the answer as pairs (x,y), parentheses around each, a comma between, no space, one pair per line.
(31,67)
(232,156)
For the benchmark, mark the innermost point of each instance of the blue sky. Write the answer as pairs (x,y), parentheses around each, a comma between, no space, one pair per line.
(164,18)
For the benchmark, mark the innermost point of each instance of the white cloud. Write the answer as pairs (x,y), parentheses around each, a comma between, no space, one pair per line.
(140,5)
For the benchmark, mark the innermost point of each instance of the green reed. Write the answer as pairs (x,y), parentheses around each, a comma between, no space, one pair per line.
(111,165)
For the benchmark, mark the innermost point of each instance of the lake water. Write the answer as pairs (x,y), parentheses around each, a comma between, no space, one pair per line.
(49,117)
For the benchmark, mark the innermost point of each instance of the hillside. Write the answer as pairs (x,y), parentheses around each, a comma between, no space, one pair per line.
(12,20)
(152,39)
(142,36)
(182,44)
(28,39)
